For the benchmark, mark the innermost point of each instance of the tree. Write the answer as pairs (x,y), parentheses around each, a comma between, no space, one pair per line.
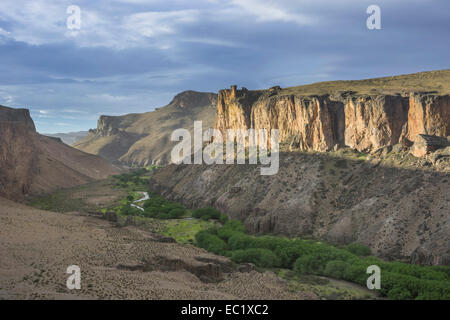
(308,264)
(261,257)
(399,294)
(336,269)
(358,249)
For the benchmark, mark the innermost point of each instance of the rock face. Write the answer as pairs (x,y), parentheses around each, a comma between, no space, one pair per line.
(366,123)
(425,144)
(395,211)
(144,139)
(428,114)
(400,211)
(31,163)
(372,123)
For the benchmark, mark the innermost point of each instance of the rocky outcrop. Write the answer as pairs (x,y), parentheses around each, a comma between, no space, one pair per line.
(31,163)
(428,114)
(192,99)
(424,144)
(375,122)
(18,159)
(19,116)
(366,123)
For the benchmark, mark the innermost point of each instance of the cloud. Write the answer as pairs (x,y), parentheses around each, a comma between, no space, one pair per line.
(108,97)
(270,11)
(44,21)
(33,22)
(74,111)
(134,55)
(151,24)
(4,33)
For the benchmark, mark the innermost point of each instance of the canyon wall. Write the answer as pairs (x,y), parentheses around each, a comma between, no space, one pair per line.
(31,163)
(19,116)
(366,123)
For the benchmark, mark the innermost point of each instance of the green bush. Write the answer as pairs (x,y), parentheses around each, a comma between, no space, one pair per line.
(223,218)
(355,273)
(159,207)
(162,215)
(230,228)
(206,213)
(399,294)
(239,241)
(309,264)
(358,249)
(127,210)
(176,213)
(261,257)
(336,269)
(210,242)
(398,280)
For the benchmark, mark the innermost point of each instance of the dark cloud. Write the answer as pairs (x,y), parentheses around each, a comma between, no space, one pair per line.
(122,65)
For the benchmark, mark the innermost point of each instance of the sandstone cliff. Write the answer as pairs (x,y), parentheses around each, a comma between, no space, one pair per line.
(31,163)
(144,139)
(313,119)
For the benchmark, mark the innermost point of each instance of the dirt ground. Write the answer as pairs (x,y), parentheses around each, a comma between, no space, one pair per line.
(37,246)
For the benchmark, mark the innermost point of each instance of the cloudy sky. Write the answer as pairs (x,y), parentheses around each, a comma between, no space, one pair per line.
(135,55)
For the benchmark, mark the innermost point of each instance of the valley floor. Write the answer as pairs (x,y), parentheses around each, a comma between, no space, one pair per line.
(37,246)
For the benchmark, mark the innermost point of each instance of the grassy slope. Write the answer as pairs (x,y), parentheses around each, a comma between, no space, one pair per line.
(438,81)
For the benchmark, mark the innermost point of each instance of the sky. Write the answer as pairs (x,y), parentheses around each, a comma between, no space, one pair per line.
(132,56)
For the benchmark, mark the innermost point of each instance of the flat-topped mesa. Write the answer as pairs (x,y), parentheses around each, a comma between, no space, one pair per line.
(363,122)
(18,116)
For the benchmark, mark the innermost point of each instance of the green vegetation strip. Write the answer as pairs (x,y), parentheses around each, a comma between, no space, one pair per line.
(309,257)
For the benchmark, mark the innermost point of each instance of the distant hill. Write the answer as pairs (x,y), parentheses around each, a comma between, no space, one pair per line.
(68,138)
(144,139)
(31,163)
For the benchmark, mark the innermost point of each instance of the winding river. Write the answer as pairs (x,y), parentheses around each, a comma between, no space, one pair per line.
(145,196)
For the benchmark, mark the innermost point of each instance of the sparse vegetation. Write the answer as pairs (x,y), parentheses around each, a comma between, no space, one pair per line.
(358,249)
(183,230)
(158,207)
(309,257)
(206,214)
(85,198)
(136,180)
